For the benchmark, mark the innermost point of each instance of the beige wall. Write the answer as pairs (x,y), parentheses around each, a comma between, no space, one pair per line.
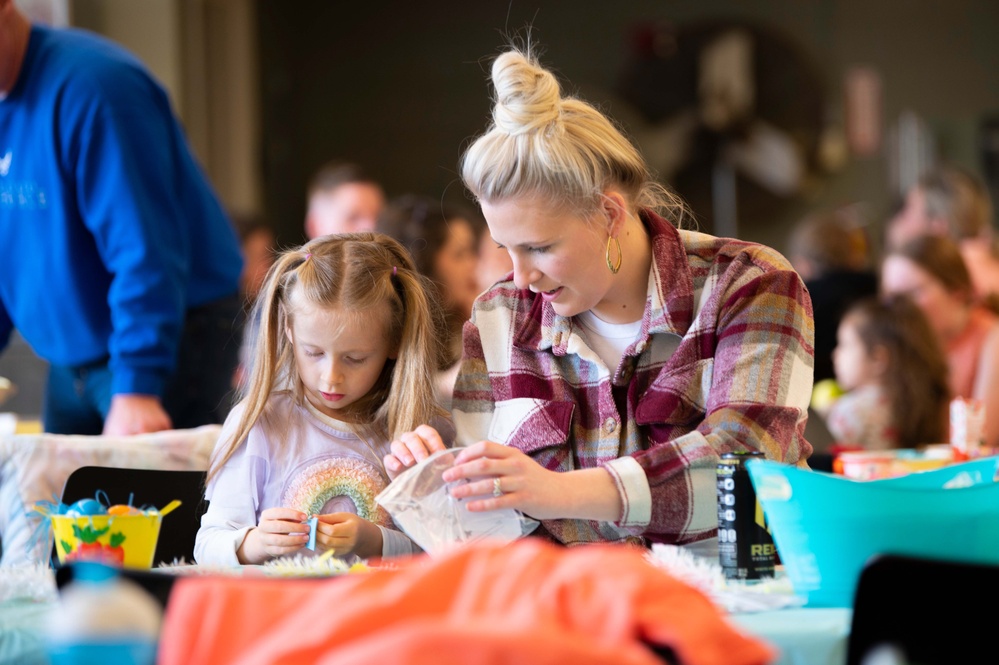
(204,54)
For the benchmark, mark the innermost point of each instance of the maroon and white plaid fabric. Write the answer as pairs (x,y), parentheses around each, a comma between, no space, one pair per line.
(724,362)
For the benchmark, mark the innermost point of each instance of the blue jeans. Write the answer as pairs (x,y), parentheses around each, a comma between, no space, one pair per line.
(77,398)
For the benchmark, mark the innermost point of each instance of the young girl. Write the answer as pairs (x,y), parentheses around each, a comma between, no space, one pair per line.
(343,363)
(888,358)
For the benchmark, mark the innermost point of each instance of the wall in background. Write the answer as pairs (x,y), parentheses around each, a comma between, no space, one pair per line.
(270,90)
(205,55)
(402,87)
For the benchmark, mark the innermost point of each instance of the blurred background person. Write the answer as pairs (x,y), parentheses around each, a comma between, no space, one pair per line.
(118,264)
(342,198)
(830,252)
(443,240)
(889,361)
(259,246)
(930,270)
(952,201)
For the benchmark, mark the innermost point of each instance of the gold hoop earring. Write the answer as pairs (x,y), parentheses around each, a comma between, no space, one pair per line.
(614,266)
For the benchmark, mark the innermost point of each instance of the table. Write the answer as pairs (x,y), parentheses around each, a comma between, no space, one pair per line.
(804,636)
(21,625)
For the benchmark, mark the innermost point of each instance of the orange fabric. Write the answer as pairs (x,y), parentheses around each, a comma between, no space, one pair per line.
(527,602)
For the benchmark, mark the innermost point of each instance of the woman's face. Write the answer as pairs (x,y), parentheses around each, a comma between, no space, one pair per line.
(942,308)
(556,254)
(455,264)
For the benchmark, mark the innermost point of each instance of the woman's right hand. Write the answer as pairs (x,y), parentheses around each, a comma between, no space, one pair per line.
(281,531)
(412,447)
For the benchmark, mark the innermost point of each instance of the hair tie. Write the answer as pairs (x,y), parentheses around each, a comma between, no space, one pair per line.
(394,271)
(308,256)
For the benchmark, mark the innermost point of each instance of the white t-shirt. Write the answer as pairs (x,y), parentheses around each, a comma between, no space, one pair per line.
(609,340)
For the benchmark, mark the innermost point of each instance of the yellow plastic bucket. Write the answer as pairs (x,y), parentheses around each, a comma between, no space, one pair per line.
(123,540)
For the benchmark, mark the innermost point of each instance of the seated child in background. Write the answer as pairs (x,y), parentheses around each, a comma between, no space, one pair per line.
(343,364)
(890,361)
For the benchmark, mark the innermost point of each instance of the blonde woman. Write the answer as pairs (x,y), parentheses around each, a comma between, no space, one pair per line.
(601,383)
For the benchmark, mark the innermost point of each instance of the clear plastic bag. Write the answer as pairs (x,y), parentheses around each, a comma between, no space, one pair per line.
(421,504)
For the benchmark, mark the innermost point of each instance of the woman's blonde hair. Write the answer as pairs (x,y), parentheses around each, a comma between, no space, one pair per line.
(558,149)
(355,273)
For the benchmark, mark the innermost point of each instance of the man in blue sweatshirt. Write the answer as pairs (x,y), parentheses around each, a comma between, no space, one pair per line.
(117,262)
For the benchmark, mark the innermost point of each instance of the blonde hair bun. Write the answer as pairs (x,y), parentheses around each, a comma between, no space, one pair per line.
(528,97)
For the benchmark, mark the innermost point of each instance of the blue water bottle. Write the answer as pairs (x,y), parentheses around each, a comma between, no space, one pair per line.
(103,619)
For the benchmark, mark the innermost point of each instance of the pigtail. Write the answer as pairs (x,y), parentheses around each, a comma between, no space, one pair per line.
(411,399)
(272,355)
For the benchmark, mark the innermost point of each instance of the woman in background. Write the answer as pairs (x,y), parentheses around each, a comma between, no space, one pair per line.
(443,242)
(930,270)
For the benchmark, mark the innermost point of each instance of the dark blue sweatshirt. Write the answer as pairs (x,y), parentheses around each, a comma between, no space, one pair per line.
(109,231)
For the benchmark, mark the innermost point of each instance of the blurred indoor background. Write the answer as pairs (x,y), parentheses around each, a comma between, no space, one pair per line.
(756,112)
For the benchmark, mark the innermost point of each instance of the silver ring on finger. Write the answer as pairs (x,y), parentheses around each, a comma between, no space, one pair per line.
(497,490)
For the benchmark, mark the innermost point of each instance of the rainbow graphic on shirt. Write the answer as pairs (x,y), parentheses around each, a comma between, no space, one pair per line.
(327,479)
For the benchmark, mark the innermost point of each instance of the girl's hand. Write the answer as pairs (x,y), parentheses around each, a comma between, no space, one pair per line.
(346,533)
(530,488)
(412,447)
(281,531)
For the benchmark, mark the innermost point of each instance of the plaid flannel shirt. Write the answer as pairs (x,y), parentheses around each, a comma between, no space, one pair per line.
(723,362)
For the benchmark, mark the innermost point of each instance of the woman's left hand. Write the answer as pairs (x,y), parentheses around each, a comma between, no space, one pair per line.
(526,486)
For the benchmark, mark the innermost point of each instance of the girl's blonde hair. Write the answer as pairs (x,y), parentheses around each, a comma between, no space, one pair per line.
(355,273)
(915,380)
(558,149)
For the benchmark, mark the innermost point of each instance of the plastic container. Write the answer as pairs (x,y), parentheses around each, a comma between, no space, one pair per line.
(827,527)
(878,464)
(103,619)
(124,540)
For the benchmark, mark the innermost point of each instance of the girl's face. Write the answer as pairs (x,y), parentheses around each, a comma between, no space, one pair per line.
(338,357)
(454,266)
(853,362)
(556,254)
(942,308)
